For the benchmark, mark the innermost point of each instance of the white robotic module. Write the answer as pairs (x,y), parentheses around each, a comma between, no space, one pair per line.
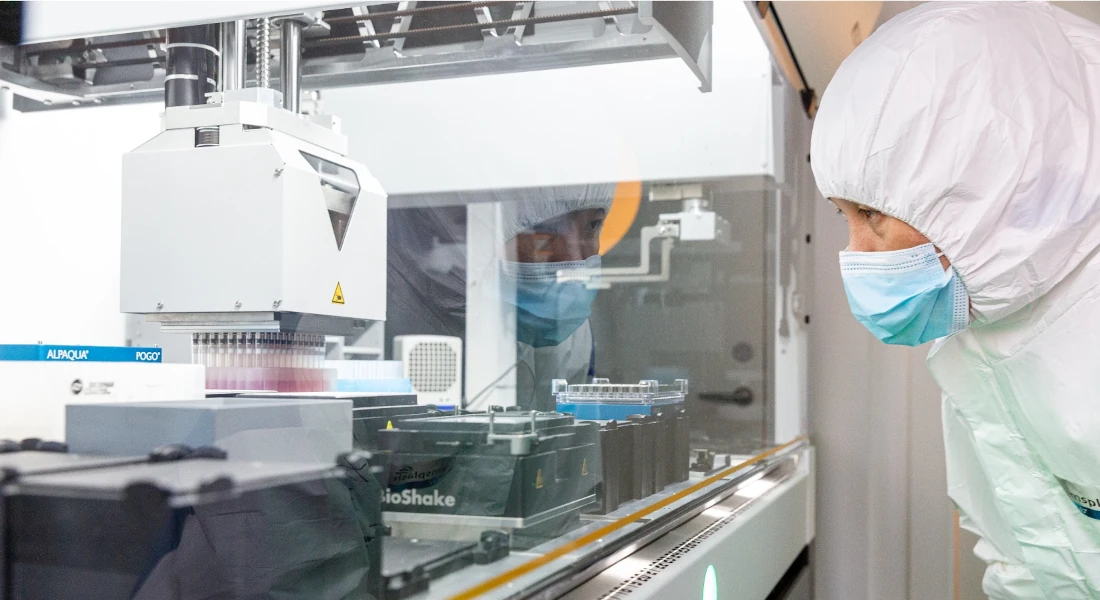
(243,216)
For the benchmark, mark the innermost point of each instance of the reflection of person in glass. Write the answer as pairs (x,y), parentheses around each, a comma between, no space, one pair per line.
(560,231)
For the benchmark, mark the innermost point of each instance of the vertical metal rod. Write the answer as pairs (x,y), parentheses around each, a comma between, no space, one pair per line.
(263,54)
(290,63)
(7,103)
(233,54)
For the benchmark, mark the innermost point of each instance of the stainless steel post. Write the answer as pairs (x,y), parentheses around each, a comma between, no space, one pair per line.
(233,38)
(290,63)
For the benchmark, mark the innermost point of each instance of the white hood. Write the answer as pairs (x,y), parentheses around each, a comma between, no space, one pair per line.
(543,204)
(974,123)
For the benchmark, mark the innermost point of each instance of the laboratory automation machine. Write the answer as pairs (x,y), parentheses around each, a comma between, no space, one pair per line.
(576,230)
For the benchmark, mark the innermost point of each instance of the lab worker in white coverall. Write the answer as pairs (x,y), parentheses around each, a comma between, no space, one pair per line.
(552,230)
(962,143)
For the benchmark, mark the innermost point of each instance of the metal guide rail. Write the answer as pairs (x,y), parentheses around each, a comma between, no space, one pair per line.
(556,567)
(373,44)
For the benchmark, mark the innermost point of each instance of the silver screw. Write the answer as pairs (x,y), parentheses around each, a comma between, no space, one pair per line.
(237,304)
(276,303)
(278,171)
(160,305)
(263,53)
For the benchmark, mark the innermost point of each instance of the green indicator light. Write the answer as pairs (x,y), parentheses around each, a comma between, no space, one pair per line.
(710,584)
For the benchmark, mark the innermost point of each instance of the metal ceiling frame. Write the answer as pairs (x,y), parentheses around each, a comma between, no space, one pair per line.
(574,34)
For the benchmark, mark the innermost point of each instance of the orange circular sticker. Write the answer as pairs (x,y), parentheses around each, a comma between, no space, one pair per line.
(624,209)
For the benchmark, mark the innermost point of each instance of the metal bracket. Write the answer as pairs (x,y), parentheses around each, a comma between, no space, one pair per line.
(512,34)
(603,278)
(365,26)
(694,223)
(520,443)
(402,25)
(307,19)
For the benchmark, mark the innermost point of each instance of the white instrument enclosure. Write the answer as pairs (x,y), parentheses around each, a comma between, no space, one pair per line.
(243,227)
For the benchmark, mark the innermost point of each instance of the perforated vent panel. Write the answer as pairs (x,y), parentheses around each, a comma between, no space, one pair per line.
(639,579)
(631,584)
(433,367)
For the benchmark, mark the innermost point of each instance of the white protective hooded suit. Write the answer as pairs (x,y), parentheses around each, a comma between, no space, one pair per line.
(537,368)
(978,125)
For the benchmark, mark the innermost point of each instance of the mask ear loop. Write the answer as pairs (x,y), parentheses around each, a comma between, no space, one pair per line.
(961,310)
(961,318)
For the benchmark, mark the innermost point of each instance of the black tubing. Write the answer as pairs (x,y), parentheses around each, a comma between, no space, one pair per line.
(192,70)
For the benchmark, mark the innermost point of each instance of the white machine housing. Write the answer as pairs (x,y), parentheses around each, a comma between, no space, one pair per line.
(37,392)
(239,235)
(433,363)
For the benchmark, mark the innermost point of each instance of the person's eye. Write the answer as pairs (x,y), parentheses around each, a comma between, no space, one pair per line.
(868,213)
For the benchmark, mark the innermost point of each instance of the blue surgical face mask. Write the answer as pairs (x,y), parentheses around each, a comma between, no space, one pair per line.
(905,296)
(547,312)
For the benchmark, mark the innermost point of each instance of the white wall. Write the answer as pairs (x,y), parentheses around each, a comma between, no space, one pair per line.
(60,222)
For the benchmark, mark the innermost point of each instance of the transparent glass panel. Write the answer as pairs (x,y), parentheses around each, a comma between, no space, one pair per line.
(630,332)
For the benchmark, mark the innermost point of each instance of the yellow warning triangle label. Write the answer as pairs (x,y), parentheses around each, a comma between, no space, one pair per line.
(538,480)
(584,466)
(338,295)
(389,424)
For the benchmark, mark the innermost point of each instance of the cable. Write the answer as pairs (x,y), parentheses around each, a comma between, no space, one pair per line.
(491,385)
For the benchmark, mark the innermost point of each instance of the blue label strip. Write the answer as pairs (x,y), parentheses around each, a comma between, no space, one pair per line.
(1088,512)
(42,352)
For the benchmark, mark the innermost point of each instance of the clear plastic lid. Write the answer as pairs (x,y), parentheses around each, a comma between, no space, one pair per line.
(603,391)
